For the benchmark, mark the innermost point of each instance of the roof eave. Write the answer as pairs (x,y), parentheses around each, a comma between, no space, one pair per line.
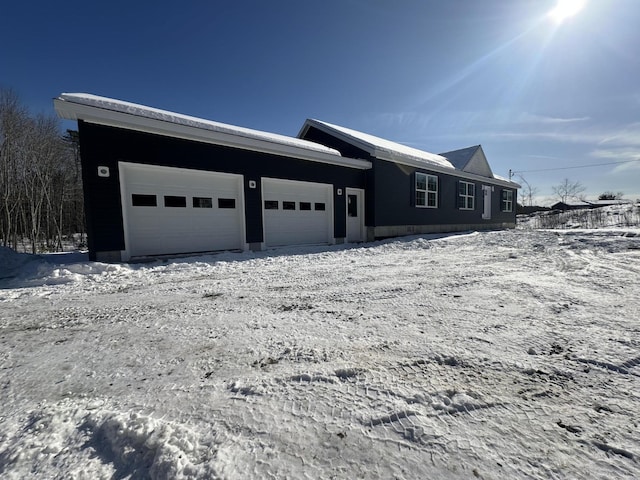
(356,142)
(418,163)
(112,118)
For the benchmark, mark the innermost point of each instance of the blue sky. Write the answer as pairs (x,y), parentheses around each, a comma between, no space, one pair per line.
(436,75)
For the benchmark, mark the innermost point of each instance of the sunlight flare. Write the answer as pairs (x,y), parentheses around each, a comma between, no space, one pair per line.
(565,9)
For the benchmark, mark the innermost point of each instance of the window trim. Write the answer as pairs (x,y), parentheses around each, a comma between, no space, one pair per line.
(507,201)
(426,190)
(464,198)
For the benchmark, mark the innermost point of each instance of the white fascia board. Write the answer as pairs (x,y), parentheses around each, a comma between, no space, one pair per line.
(91,114)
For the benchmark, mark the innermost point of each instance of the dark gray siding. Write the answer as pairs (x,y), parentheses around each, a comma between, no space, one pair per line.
(395,203)
(106,146)
(347,150)
(390,192)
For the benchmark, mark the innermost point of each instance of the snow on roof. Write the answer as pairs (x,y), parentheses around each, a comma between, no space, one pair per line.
(186,120)
(385,149)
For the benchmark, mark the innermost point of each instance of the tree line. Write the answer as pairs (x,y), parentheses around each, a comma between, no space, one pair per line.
(41,203)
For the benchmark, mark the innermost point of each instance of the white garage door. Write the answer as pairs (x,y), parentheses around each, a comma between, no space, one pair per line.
(297,213)
(175,210)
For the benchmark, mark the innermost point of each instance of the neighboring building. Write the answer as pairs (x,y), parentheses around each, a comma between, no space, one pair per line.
(161,183)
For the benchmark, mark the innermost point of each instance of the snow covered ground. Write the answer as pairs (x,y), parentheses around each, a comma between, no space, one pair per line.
(511,354)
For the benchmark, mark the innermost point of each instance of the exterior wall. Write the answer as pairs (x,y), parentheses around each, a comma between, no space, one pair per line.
(351,151)
(390,201)
(106,146)
(395,201)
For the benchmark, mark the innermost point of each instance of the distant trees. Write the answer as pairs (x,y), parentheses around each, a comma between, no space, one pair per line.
(568,190)
(40,182)
(611,196)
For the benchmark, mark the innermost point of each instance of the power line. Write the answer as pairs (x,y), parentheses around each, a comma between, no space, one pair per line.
(512,173)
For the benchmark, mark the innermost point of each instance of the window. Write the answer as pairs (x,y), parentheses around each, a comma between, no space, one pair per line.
(173,201)
(288,205)
(466,196)
(426,190)
(352,205)
(271,205)
(319,206)
(305,205)
(507,200)
(139,200)
(226,203)
(202,202)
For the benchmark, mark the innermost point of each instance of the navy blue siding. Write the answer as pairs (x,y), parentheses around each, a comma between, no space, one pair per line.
(395,205)
(347,150)
(390,192)
(106,146)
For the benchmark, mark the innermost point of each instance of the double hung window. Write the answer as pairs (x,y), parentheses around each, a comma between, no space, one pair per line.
(507,201)
(466,196)
(426,190)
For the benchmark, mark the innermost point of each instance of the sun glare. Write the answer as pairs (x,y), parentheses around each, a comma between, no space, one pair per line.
(565,9)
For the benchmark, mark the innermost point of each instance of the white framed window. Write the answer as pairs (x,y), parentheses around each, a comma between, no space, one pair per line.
(426,190)
(466,196)
(507,200)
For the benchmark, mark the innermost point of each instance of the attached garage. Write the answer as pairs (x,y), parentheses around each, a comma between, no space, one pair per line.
(175,210)
(161,183)
(297,213)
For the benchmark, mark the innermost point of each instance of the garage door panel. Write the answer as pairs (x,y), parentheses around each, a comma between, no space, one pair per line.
(189,226)
(300,225)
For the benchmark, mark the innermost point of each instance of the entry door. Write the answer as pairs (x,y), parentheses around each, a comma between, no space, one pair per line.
(355,215)
(486,195)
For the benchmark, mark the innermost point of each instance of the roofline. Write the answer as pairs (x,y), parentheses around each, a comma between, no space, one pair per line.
(310,122)
(71,110)
(372,150)
(404,159)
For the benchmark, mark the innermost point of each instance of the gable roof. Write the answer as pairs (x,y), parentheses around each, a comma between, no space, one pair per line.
(379,147)
(117,113)
(470,159)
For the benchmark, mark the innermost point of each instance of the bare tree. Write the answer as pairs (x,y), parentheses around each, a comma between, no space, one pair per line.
(40,186)
(568,190)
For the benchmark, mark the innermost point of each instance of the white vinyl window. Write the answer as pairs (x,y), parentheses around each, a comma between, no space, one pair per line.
(507,200)
(466,196)
(426,190)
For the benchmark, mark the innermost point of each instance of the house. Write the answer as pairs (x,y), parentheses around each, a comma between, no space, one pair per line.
(162,183)
(411,191)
